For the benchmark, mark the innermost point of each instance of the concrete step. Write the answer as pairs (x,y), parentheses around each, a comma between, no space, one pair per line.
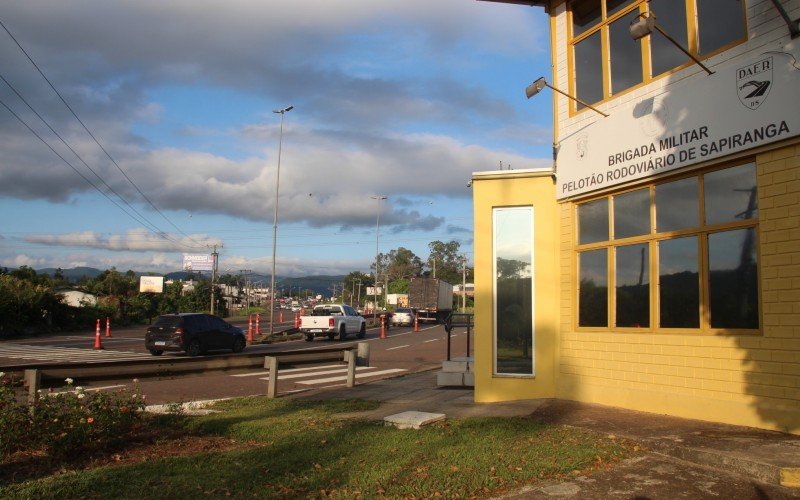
(457,379)
(457,366)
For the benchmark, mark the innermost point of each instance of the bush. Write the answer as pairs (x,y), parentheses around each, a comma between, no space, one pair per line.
(66,423)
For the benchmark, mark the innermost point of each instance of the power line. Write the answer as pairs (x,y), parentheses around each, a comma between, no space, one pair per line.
(91,134)
(89,181)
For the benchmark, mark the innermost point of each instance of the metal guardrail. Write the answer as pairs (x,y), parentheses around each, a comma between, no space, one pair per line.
(455,320)
(33,373)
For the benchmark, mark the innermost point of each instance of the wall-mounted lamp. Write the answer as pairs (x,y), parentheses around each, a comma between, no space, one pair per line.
(535,87)
(644,24)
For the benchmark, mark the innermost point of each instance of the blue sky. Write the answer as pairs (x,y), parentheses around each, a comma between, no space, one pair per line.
(403,98)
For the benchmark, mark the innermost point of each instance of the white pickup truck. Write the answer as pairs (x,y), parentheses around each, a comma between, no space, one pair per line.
(333,320)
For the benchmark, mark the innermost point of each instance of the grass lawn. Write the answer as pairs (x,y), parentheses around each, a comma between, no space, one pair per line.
(285,448)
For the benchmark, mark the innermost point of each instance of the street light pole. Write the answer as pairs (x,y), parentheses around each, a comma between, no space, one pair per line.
(377,253)
(275,224)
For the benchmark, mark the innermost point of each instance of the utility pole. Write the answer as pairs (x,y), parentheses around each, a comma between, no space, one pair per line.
(246,273)
(463,282)
(214,256)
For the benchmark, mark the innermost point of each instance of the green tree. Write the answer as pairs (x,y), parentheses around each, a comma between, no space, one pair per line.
(351,286)
(446,260)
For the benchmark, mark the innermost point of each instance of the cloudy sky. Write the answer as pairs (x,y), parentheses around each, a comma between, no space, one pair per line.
(134,131)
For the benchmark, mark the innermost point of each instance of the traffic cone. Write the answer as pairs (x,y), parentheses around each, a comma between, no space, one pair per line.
(258,323)
(416,323)
(383,326)
(108,326)
(97,343)
(297,320)
(249,327)
(280,316)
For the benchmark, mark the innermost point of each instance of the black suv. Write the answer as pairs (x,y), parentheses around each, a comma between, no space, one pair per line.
(194,333)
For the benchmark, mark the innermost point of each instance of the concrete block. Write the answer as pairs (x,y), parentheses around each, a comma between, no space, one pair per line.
(449,378)
(412,419)
(456,366)
(469,379)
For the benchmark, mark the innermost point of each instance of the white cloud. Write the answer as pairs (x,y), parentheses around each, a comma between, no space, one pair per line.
(140,240)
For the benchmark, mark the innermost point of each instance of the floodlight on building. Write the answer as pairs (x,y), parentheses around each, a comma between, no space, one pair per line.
(645,23)
(535,87)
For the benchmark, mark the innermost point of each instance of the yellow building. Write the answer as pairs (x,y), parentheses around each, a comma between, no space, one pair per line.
(656,266)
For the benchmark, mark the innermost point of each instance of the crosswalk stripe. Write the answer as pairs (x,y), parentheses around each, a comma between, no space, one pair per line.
(398,347)
(358,375)
(281,376)
(22,351)
(288,370)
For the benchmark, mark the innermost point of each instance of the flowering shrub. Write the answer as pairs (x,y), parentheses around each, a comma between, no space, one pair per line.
(68,422)
(14,417)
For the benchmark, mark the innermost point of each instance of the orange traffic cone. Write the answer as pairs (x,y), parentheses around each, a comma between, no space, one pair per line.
(383,326)
(250,328)
(108,326)
(258,323)
(416,323)
(97,343)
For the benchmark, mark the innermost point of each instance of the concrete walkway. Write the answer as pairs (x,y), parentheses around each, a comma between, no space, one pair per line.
(681,458)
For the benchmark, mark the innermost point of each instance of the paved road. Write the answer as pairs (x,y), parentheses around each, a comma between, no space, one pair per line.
(403,351)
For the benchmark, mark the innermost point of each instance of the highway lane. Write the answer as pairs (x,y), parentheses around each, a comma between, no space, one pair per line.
(401,352)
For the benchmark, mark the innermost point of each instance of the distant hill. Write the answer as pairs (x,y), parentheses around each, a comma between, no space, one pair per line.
(74,274)
(321,285)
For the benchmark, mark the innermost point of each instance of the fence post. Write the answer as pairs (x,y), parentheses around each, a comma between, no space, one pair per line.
(33,380)
(350,357)
(363,354)
(271,363)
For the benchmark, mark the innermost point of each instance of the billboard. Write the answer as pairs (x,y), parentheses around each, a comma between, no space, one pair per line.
(152,284)
(372,291)
(198,262)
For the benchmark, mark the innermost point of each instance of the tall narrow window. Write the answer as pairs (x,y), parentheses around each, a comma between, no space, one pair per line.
(589,69)
(733,279)
(593,288)
(513,298)
(671,16)
(719,22)
(633,286)
(626,54)
(679,283)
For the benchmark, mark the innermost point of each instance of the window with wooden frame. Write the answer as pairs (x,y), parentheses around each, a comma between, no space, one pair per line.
(676,255)
(606,61)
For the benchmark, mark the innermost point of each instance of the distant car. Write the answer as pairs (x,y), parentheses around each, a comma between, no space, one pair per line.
(403,316)
(194,333)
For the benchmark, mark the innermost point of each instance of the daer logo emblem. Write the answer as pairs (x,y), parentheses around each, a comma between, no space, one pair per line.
(753,83)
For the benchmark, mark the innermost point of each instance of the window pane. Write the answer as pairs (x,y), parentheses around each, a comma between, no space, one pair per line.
(671,17)
(730,194)
(614,6)
(626,54)
(513,236)
(733,280)
(719,23)
(593,279)
(678,283)
(589,70)
(632,214)
(585,14)
(633,286)
(677,205)
(593,221)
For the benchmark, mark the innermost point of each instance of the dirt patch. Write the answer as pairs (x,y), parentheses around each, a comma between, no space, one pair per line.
(144,444)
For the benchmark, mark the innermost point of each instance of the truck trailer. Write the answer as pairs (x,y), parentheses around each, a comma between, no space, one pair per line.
(431,297)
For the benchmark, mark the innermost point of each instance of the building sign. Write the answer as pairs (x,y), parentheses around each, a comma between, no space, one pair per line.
(152,284)
(743,105)
(198,262)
